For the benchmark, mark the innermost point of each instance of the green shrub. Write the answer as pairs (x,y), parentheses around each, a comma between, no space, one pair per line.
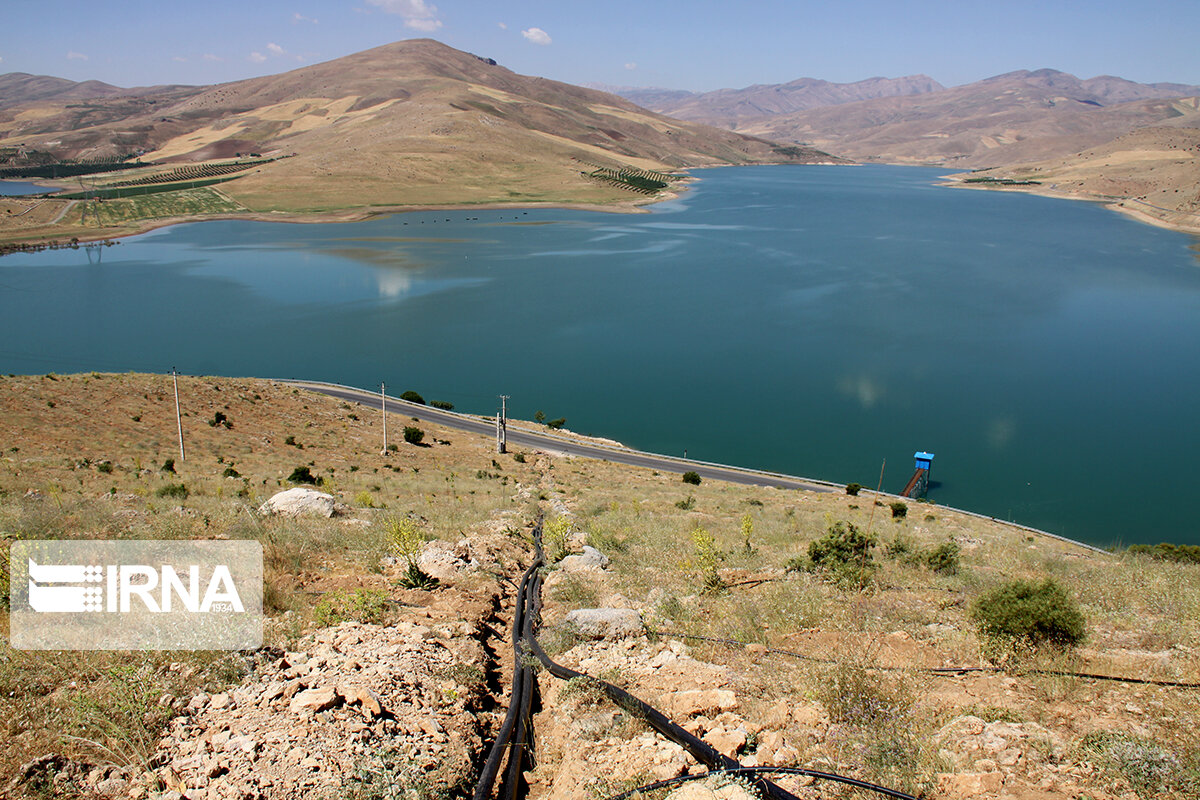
(365,499)
(899,509)
(413,397)
(843,554)
(177,490)
(853,489)
(413,435)
(361,605)
(519,458)
(555,533)
(539,416)
(230,472)
(1020,615)
(302,475)
(219,418)
(168,465)
(1165,551)
(105,466)
(903,549)
(442,404)
(943,559)
(707,557)
(686,504)
(692,477)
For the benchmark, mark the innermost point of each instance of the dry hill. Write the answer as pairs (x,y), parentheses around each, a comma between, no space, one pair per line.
(407,124)
(1151,173)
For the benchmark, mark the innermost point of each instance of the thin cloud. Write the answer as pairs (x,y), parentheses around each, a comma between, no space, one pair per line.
(275,49)
(211,57)
(180,59)
(631,65)
(257,57)
(298,18)
(417,14)
(503,27)
(73,56)
(536,35)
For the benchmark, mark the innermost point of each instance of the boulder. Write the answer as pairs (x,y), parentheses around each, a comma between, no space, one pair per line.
(606,623)
(299,502)
(589,559)
(444,560)
(315,700)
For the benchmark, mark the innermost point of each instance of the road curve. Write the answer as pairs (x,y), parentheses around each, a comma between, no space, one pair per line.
(567,445)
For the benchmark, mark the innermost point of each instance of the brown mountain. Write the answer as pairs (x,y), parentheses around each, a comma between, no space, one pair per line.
(414,122)
(727,107)
(1011,118)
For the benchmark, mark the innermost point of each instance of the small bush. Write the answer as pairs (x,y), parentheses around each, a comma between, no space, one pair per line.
(176,490)
(903,549)
(168,466)
(692,477)
(365,499)
(1148,767)
(230,472)
(442,404)
(292,441)
(943,559)
(843,554)
(555,533)
(856,696)
(105,466)
(539,416)
(1020,615)
(413,397)
(899,509)
(707,557)
(413,435)
(407,541)
(219,418)
(361,605)
(556,424)
(302,475)
(686,504)
(853,489)
(519,458)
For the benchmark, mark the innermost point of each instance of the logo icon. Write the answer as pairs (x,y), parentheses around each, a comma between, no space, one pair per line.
(143,595)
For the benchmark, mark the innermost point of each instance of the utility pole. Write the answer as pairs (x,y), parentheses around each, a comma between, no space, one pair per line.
(502,426)
(178,418)
(383,409)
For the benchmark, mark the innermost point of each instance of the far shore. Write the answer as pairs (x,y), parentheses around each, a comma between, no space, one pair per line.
(632,206)
(1122,205)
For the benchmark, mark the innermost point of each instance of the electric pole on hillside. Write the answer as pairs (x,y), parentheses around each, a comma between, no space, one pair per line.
(178,418)
(502,426)
(383,410)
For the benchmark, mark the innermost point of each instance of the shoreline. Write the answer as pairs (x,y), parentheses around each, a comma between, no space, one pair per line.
(639,206)
(1117,204)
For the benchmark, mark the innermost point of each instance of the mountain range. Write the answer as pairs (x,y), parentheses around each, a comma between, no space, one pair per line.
(1010,118)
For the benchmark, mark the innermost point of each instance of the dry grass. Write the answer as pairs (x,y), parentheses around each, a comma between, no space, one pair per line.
(56,432)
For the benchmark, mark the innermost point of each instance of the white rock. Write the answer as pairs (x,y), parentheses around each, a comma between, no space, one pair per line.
(606,623)
(299,502)
(589,559)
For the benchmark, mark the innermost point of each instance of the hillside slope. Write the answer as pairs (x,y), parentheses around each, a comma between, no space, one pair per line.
(1152,174)
(409,123)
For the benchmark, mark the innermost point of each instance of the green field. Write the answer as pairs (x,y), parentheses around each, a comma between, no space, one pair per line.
(154,206)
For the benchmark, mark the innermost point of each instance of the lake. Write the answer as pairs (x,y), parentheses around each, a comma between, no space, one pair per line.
(809,320)
(15,188)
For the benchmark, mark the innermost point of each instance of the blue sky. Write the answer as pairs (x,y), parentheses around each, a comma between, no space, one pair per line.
(698,45)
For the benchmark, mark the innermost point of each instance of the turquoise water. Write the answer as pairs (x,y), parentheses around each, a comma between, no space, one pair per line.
(811,320)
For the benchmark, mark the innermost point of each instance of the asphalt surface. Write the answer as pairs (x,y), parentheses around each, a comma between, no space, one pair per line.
(567,445)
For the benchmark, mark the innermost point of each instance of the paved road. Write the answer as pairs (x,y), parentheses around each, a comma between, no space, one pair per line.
(574,447)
